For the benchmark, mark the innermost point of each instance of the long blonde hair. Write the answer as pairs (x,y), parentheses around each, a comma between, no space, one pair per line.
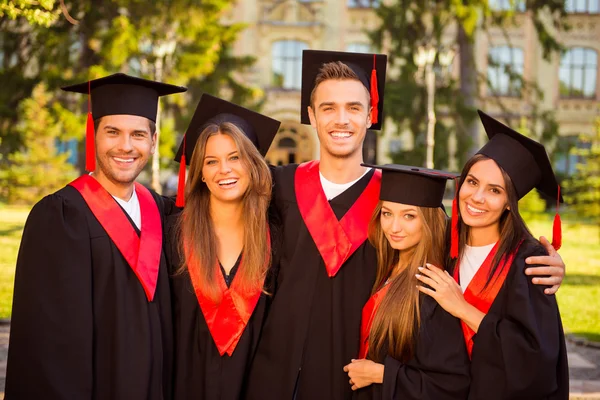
(397,320)
(198,244)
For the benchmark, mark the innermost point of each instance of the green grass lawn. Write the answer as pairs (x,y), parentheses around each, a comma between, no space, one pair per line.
(579,296)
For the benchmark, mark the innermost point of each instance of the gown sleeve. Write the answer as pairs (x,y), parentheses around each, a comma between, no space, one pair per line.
(50,346)
(517,347)
(440,368)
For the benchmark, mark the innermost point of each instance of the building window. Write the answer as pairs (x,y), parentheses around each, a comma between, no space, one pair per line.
(505,5)
(505,71)
(583,6)
(358,48)
(287,64)
(577,74)
(363,3)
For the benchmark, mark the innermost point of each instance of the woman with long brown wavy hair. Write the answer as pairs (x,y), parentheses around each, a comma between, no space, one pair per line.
(221,249)
(410,347)
(512,329)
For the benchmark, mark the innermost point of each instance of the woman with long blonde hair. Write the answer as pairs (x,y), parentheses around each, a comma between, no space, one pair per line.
(221,249)
(410,347)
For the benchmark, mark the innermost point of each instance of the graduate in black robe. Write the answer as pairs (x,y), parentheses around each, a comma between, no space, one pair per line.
(434,363)
(512,329)
(204,370)
(91,311)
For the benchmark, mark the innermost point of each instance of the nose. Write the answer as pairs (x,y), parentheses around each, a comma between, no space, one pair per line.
(225,167)
(397,225)
(126,143)
(342,117)
(479,195)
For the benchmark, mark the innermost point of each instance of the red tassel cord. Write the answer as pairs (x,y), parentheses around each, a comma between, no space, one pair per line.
(90,148)
(557,226)
(374,94)
(180,200)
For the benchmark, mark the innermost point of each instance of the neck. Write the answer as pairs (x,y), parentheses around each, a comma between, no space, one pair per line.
(122,191)
(226,214)
(341,170)
(403,261)
(483,236)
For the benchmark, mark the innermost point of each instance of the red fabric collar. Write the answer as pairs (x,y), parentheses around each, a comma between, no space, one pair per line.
(340,239)
(142,253)
(228,316)
(368,314)
(475,293)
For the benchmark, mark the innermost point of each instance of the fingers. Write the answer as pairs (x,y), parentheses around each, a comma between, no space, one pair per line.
(354,387)
(551,251)
(351,383)
(346,369)
(545,271)
(551,290)
(553,261)
(427,280)
(549,281)
(427,291)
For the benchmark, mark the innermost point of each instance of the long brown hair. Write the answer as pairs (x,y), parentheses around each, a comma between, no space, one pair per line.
(512,228)
(397,320)
(196,226)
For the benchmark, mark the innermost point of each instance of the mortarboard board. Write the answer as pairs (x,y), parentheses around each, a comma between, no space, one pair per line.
(119,94)
(260,129)
(415,186)
(370,69)
(523,159)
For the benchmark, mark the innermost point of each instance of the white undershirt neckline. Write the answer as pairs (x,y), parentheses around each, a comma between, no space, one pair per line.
(332,190)
(132,208)
(471,260)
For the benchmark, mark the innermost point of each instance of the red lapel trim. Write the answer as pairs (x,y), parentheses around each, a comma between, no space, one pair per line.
(476,295)
(228,316)
(142,253)
(335,240)
(368,314)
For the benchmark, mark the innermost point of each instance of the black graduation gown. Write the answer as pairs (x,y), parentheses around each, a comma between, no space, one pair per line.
(519,350)
(312,328)
(438,371)
(82,327)
(200,372)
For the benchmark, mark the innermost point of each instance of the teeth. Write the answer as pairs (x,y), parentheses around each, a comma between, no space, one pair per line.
(125,160)
(227,181)
(475,210)
(341,134)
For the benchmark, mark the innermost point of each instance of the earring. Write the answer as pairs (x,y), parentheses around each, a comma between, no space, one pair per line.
(203,180)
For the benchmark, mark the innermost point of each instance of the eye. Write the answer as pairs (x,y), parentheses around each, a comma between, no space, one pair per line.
(409,216)
(471,182)
(495,191)
(386,214)
(234,158)
(211,162)
(327,108)
(355,108)
(138,135)
(111,132)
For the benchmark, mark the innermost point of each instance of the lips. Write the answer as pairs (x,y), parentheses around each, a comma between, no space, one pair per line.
(340,134)
(227,183)
(475,212)
(397,238)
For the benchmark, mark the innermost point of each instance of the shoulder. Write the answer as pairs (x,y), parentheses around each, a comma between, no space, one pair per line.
(530,247)
(283,174)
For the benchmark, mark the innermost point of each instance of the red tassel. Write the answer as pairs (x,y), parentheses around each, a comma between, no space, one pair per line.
(454,228)
(180,201)
(90,150)
(557,226)
(374,94)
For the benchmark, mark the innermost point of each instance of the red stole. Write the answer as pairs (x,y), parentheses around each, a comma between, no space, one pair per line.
(368,314)
(227,316)
(335,240)
(475,293)
(142,252)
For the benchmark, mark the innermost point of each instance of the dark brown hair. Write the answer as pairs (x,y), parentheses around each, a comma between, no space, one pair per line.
(397,320)
(335,70)
(512,228)
(196,225)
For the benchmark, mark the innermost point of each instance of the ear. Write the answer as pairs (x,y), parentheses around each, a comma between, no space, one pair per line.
(369,117)
(154,143)
(312,117)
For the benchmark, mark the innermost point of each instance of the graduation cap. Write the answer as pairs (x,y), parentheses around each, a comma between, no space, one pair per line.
(422,187)
(370,69)
(119,94)
(260,129)
(527,164)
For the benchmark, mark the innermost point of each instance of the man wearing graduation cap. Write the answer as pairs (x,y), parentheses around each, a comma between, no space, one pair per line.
(91,313)
(312,328)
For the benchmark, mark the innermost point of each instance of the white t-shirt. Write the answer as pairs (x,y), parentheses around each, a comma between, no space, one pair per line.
(471,260)
(132,207)
(333,190)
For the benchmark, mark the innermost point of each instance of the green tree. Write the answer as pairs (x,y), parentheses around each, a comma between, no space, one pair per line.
(39,12)
(406,24)
(583,188)
(38,169)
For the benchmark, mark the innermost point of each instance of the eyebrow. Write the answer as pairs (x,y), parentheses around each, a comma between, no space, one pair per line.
(489,184)
(114,128)
(233,152)
(351,103)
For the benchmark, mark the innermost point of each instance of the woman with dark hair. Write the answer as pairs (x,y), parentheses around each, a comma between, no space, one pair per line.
(513,331)
(220,252)
(410,347)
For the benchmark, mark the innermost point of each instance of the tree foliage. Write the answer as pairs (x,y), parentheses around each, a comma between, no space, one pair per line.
(407,24)
(36,12)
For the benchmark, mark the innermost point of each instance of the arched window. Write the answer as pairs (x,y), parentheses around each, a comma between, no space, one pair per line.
(505,70)
(287,63)
(577,74)
(358,48)
(583,6)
